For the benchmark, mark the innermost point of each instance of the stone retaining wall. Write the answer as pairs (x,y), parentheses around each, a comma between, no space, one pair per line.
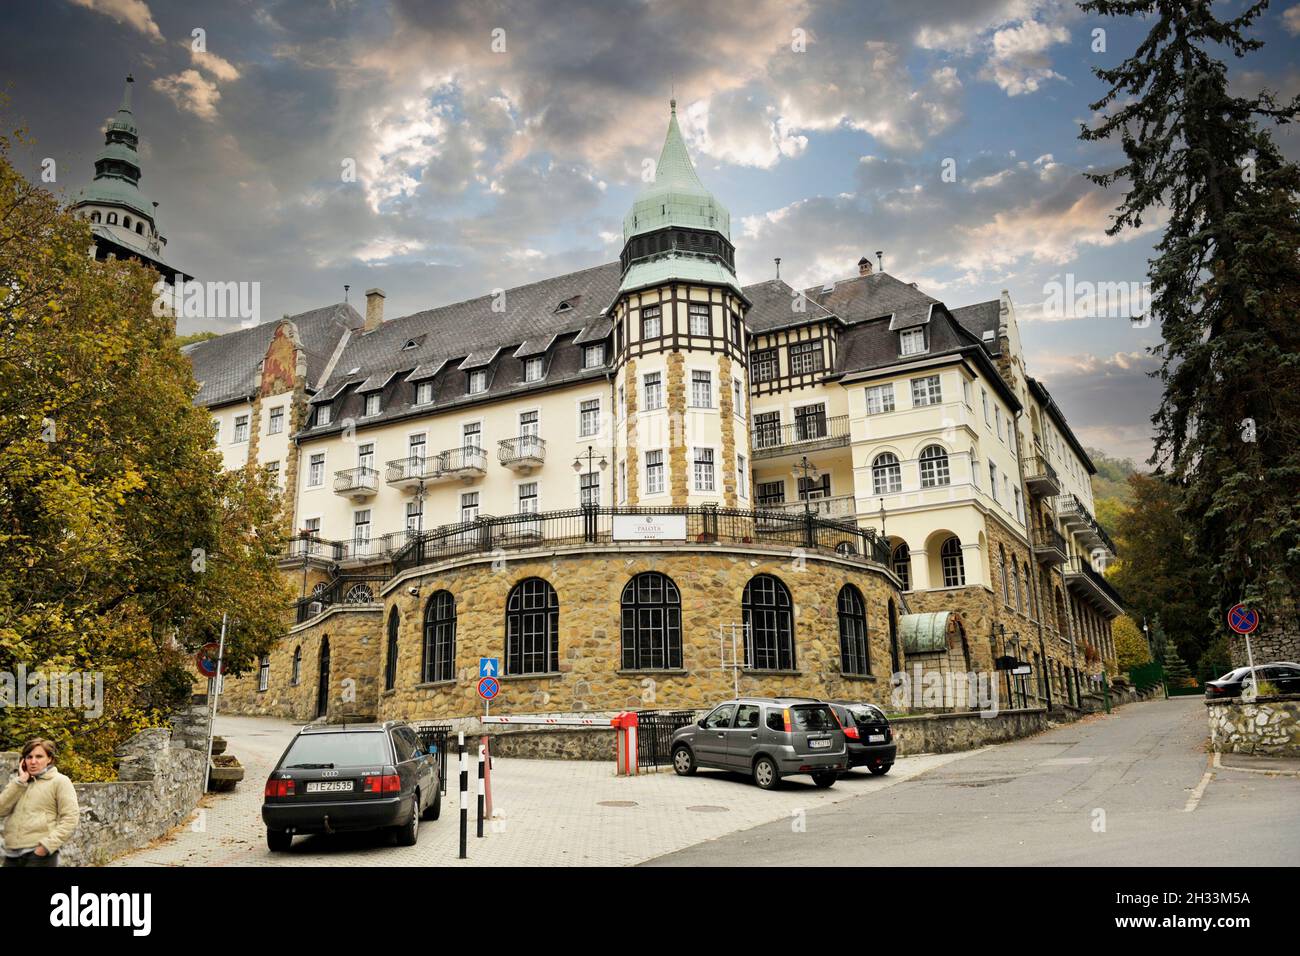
(159,782)
(945,733)
(1268,726)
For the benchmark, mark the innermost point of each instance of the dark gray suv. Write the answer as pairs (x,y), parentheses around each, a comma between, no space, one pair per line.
(767,738)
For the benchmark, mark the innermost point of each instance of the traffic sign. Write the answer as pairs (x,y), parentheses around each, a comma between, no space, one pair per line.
(489,666)
(488,687)
(1242,619)
(206,659)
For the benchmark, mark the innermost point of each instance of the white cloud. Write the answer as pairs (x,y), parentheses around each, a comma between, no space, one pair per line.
(190,91)
(1019,61)
(134,13)
(219,67)
(1291,20)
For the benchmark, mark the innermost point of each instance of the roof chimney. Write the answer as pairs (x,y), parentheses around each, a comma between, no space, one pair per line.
(374,309)
(864,266)
(880,258)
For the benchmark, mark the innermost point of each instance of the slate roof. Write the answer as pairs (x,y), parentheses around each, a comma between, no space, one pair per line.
(227,367)
(980,318)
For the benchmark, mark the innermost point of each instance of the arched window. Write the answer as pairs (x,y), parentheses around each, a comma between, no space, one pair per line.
(112,219)
(94,216)
(1006,580)
(126,222)
(769,624)
(954,569)
(853,632)
(439,659)
(902,561)
(1029,590)
(1015,580)
(139,228)
(934,466)
(297,665)
(532,628)
(652,623)
(886,475)
(390,664)
(846,548)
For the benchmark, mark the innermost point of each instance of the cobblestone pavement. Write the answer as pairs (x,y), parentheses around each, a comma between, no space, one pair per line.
(548,813)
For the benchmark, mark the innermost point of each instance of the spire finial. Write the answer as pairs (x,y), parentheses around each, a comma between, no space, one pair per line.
(126,95)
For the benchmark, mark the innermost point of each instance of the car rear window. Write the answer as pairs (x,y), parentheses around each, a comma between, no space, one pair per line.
(813,717)
(356,749)
(866,714)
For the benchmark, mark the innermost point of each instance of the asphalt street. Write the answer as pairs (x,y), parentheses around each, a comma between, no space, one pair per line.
(1132,788)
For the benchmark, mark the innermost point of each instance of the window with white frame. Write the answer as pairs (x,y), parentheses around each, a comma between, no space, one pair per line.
(652,382)
(415,449)
(373,403)
(764,365)
(701,388)
(965,392)
(273,472)
(528,498)
(997,424)
(911,341)
(533,369)
(934,466)
(737,398)
(468,506)
(477,381)
(806,358)
(1020,514)
(589,418)
(529,425)
(593,356)
(740,477)
(880,398)
(926,391)
(361,532)
(622,480)
(311,527)
(767,429)
(216,430)
(622,403)
(241,429)
(698,318)
(414,515)
(993,481)
(954,568)
(886,474)
(654,472)
(985,396)
(264,672)
(770,494)
(366,456)
(704,475)
(471,435)
(424,393)
(650,324)
(316,470)
(589,488)
(974,468)
(324,412)
(276,422)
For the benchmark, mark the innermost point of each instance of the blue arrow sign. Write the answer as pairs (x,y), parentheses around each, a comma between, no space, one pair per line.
(489,666)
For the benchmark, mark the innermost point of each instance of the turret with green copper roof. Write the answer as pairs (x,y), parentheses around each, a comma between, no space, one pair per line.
(676,228)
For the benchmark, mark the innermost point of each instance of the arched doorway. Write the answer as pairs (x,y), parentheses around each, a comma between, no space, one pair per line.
(323,684)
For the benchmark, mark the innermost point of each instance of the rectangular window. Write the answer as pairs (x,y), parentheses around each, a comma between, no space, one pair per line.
(1020,514)
(241,428)
(767,429)
(528,498)
(654,391)
(764,366)
(533,369)
(366,456)
(704,469)
(698,319)
(805,358)
(593,356)
(737,398)
(589,418)
(311,527)
(477,381)
(361,532)
(654,472)
(216,430)
(997,423)
(911,342)
(277,421)
(415,447)
(622,480)
(528,424)
(984,395)
(622,403)
(650,326)
(810,422)
(424,393)
(468,506)
(414,515)
(740,476)
(701,388)
(812,489)
(880,398)
(472,435)
(771,494)
(735,329)
(965,392)
(273,472)
(993,480)
(316,470)
(589,488)
(373,403)
(925,391)
(322,414)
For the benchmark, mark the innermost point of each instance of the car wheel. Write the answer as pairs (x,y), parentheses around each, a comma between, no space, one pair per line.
(435,808)
(683,761)
(765,773)
(880,770)
(825,778)
(408,833)
(277,841)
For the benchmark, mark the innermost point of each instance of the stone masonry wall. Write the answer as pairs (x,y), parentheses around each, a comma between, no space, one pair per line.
(1267,725)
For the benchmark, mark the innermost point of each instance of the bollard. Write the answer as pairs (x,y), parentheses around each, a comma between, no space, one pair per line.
(625,743)
(481,762)
(487,776)
(464,794)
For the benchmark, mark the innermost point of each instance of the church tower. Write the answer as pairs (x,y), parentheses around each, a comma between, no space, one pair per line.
(122,219)
(679,341)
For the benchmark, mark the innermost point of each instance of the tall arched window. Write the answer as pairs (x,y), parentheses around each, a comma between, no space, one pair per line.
(532,628)
(297,665)
(112,219)
(1006,579)
(390,664)
(1029,590)
(954,569)
(139,228)
(652,623)
(853,632)
(1015,581)
(769,624)
(934,466)
(902,561)
(886,474)
(439,660)
(126,222)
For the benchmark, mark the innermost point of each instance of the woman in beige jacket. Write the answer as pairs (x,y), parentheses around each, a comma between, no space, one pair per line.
(39,808)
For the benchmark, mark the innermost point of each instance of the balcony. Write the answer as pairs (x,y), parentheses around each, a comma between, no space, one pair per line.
(1079,520)
(1092,586)
(1040,476)
(522,454)
(843,506)
(345,589)
(799,437)
(410,472)
(463,464)
(1049,546)
(309,547)
(356,483)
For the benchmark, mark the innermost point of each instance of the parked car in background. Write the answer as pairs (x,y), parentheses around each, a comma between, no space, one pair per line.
(352,777)
(867,734)
(767,738)
(1284,675)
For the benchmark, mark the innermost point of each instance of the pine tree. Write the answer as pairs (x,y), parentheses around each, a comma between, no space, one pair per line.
(1225,287)
(1177,673)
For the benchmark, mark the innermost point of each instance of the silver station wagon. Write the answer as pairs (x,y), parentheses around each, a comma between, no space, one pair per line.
(767,738)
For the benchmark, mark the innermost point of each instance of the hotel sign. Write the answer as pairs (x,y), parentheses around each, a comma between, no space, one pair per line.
(649,527)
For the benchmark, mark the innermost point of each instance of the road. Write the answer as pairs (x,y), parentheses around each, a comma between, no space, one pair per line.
(1132,788)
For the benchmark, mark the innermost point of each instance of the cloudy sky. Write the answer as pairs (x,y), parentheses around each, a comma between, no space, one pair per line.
(499,142)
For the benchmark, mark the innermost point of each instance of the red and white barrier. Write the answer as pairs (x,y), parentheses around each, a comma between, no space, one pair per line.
(625,725)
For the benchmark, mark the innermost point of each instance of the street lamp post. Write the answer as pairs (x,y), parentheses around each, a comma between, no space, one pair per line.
(808,473)
(589,507)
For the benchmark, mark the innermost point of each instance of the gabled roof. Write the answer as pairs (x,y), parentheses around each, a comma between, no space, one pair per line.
(859,298)
(776,305)
(980,318)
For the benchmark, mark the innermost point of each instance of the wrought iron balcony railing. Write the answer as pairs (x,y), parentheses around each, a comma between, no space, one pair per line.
(524,448)
(805,434)
(354,480)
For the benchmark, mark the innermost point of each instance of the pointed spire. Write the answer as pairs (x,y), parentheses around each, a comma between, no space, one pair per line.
(126,95)
(675,169)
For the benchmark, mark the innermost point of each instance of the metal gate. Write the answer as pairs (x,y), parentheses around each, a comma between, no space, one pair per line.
(435,736)
(654,735)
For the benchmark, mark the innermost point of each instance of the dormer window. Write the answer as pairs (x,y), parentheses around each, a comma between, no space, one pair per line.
(424,393)
(322,414)
(533,369)
(410,344)
(477,382)
(373,403)
(593,356)
(563,307)
(911,341)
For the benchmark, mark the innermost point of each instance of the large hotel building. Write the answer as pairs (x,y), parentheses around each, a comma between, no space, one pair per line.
(645,485)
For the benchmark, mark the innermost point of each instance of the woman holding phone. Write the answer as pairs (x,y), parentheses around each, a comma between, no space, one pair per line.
(39,808)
